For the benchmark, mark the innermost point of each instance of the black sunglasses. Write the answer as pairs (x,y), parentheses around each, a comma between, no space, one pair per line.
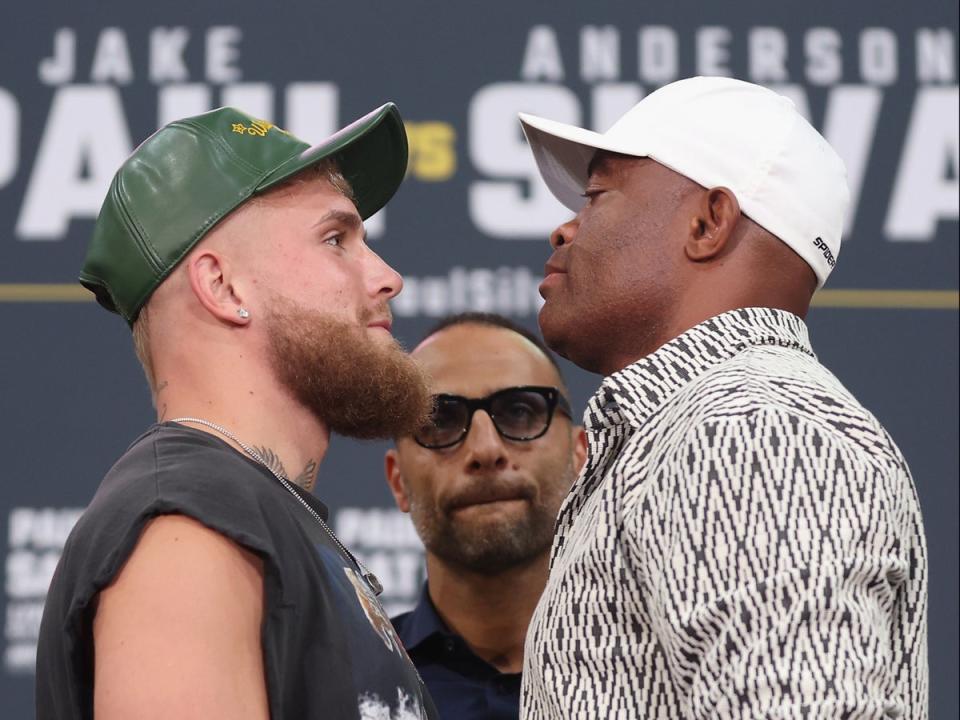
(519,413)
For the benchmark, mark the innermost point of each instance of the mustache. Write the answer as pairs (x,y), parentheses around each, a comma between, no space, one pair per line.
(380,312)
(488,489)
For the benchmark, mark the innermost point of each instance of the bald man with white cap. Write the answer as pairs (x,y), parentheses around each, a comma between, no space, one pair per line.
(745,539)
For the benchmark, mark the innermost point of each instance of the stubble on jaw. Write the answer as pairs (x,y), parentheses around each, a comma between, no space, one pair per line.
(490,547)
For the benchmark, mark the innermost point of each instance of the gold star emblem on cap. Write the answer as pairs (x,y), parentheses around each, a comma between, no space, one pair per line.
(239,128)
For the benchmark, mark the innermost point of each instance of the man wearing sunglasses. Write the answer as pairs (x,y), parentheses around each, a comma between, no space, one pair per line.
(483,481)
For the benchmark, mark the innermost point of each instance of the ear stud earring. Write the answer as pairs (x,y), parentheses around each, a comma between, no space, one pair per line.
(243,313)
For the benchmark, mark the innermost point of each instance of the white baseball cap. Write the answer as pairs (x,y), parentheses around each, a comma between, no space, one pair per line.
(718,132)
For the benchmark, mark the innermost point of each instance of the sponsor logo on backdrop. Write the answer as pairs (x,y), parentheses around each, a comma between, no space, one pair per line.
(504,290)
(383,539)
(35,539)
(585,75)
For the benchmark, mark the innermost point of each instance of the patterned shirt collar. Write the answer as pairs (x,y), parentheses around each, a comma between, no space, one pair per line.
(632,394)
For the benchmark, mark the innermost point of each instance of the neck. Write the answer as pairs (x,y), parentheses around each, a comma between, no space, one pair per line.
(490,612)
(290,439)
(694,311)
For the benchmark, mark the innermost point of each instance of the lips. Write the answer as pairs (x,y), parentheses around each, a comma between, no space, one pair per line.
(554,275)
(487,495)
(551,281)
(385,324)
(378,316)
(553,266)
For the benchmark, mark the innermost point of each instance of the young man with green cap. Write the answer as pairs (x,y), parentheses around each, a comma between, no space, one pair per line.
(203,580)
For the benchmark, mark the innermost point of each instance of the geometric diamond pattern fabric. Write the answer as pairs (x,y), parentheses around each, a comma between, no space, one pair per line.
(745,541)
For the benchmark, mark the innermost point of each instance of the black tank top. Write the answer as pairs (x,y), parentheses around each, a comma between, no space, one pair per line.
(329,649)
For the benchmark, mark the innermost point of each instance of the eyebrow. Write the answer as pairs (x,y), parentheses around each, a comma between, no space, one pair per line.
(351,220)
(602,159)
(597,164)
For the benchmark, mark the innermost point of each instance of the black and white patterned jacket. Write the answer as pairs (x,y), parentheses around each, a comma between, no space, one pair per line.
(745,541)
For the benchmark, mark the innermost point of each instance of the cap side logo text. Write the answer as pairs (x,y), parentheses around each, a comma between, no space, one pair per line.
(827,253)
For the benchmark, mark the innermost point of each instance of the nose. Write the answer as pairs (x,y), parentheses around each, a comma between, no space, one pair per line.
(564,234)
(484,446)
(384,282)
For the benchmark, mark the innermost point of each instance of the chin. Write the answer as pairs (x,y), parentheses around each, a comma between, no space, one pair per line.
(380,335)
(555,330)
(572,338)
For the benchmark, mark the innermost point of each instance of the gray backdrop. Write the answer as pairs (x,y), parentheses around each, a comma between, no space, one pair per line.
(82,83)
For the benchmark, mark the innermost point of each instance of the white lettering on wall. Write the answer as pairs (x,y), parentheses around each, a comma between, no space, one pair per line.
(657,54)
(9,136)
(926,190)
(712,51)
(60,67)
(84,142)
(223,54)
(255,99)
(936,56)
(312,109)
(599,53)
(166,55)
(768,55)
(511,291)
(180,101)
(824,60)
(35,539)
(541,59)
(609,101)
(111,60)
(878,56)
(518,205)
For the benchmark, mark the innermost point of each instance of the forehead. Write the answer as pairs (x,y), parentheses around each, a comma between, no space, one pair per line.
(475,360)
(271,234)
(307,195)
(640,176)
(611,164)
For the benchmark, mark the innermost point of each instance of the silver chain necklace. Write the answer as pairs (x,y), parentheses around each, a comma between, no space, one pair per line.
(371,579)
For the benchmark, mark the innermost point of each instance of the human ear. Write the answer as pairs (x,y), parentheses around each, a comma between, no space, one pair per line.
(579,448)
(212,284)
(391,466)
(712,224)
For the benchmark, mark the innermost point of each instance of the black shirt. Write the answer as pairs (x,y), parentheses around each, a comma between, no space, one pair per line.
(329,650)
(462,685)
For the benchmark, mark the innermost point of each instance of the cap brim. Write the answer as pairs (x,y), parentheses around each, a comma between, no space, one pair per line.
(563,154)
(371,153)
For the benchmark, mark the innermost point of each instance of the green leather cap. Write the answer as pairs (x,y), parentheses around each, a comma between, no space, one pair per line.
(190,174)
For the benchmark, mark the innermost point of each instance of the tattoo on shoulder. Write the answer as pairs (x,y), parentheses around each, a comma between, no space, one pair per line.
(271,460)
(308,476)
